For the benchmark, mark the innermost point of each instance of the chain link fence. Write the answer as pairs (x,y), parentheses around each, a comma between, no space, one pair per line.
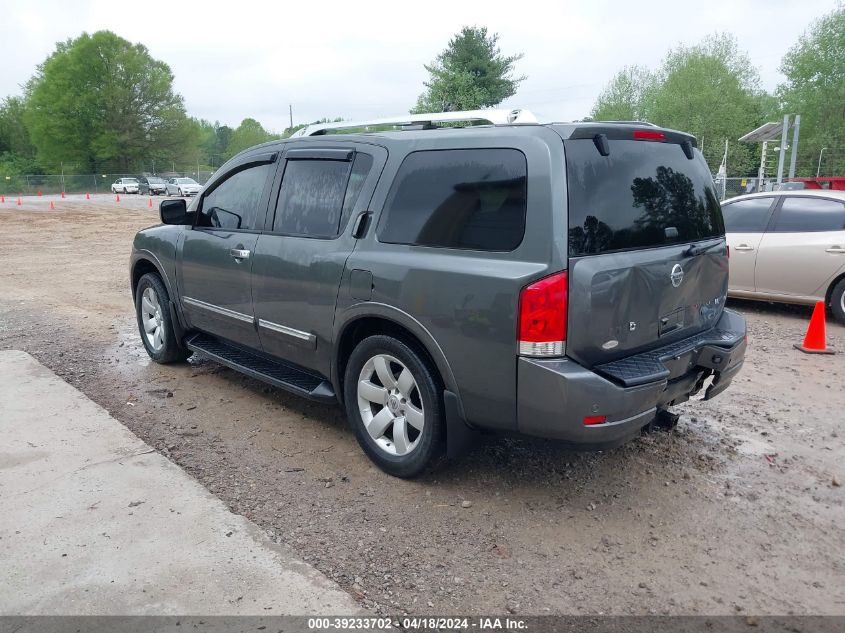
(33,184)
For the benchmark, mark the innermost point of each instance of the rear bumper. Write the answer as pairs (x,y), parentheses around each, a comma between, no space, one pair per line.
(555,395)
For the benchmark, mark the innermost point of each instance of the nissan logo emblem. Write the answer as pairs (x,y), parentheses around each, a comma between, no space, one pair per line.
(677,275)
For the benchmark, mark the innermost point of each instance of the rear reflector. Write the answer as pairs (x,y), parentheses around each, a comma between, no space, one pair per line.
(595,419)
(649,135)
(542,316)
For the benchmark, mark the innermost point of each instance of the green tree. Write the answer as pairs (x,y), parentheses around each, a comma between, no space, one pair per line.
(710,90)
(101,103)
(14,135)
(624,96)
(470,73)
(250,132)
(815,88)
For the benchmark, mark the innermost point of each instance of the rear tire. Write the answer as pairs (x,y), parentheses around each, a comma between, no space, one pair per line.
(154,323)
(837,301)
(394,402)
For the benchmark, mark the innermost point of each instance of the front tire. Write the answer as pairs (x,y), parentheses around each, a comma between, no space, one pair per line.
(154,323)
(837,301)
(394,402)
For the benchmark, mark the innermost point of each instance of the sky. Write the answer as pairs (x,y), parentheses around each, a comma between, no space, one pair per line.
(359,59)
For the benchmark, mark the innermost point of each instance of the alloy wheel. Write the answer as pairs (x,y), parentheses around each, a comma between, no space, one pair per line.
(152,319)
(390,404)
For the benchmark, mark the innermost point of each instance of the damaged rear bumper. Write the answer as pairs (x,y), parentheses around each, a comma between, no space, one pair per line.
(555,395)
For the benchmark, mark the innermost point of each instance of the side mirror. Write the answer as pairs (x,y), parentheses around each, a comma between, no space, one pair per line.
(174,212)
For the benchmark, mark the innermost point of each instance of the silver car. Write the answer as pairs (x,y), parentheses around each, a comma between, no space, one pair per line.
(788,246)
(183,187)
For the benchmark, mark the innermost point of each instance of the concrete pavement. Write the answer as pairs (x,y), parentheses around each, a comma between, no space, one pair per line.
(94,522)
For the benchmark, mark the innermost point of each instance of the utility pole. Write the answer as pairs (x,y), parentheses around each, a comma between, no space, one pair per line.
(290,109)
(782,148)
(796,125)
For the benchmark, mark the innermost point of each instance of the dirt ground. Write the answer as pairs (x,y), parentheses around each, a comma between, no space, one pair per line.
(739,510)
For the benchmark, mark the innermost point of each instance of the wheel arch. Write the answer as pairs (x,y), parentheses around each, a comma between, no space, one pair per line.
(382,319)
(828,295)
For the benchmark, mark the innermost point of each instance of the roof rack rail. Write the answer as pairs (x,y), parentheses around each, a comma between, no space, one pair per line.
(628,122)
(424,121)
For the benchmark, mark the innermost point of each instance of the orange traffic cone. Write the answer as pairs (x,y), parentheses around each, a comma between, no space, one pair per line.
(19,201)
(815,342)
(87,196)
(52,206)
(117,197)
(150,203)
(63,195)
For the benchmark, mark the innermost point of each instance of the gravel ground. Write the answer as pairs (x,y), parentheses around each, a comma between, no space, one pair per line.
(739,510)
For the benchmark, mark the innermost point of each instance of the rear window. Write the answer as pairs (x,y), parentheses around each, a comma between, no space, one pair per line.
(803,215)
(643,195)
(464,198)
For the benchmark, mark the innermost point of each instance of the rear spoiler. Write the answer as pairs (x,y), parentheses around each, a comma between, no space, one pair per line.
(602,133)
(624,132)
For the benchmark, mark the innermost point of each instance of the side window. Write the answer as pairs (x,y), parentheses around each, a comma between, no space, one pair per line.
(467,198)
(311,199)
(747,216)
(233,204)
(802,215)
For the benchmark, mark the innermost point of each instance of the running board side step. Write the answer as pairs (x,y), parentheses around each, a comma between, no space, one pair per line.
(277,373)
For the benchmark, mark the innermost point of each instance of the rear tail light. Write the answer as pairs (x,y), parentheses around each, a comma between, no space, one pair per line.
(595,419)
(542,316)
(649,135)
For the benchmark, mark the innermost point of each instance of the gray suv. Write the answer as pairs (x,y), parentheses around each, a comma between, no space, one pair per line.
(566,281)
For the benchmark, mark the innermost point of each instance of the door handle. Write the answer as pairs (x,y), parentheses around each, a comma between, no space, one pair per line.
(834,249)
(239,253)
(743,247)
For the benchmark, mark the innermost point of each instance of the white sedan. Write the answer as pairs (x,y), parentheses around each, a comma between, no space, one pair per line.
(788,246)
(125,185)
(183,187)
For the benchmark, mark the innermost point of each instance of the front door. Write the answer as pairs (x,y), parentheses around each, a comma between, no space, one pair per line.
(300,257)
(215,272)
(745,222)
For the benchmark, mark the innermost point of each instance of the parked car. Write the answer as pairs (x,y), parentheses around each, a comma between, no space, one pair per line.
(151,185)
(424,280)
(125,185)
(788,246)
(182,187)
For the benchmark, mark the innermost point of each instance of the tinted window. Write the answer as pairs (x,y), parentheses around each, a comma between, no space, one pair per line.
(798,215)
(311,199)
(747,216)
(472,198)
(644,194)
(234,203)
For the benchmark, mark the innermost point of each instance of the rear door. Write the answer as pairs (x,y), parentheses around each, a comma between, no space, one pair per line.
(804,249)
(300,257)
(745,223)
(647,258)
(216,257)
